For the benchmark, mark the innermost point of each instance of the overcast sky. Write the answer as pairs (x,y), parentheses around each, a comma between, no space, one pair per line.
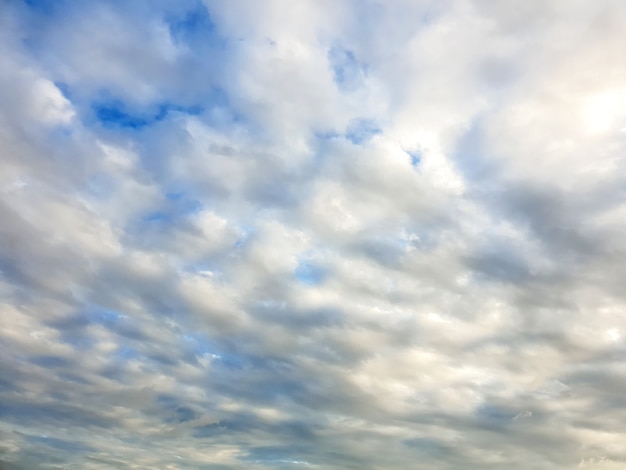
(313,234)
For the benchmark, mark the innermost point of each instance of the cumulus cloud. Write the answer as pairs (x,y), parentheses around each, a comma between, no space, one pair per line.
(312,234)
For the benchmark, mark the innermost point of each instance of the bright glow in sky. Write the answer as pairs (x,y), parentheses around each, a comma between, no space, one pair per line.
(325,234)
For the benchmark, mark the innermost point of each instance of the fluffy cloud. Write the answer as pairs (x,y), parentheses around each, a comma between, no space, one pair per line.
(241,234)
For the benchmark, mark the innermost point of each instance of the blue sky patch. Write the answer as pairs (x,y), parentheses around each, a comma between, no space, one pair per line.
(348,72)
(416,158)
(360,131)
(176,206)
(157,217)
(115,113)
(126,353)
(309,273)
(175,195)
(201,345)
(327,135)
(65,90)
(195,28)
(45,7)
(246,234)
(103,316)
(494,415)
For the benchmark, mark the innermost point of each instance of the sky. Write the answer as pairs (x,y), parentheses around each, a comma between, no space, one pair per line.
(312,234)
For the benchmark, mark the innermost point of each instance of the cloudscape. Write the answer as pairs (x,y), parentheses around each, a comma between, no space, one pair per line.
(313,234)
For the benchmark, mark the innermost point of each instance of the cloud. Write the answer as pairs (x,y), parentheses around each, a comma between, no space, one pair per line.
(312,235)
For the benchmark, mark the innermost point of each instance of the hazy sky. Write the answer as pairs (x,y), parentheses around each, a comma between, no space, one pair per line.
(313,234)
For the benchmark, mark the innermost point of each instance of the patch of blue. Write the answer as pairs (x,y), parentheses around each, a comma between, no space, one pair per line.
(327,135)
(210,430)
(157,217)
(416,158)
(194,28)
(63,132)
(200,268)
(126,353)
(221,115)
(182,414)
(471,156)
(195,20)
(191,206)
(183,202)
(244,239)
(176,411)
(114,113)
(217,98)
(46,7)
(348,71)
(310,274)
(114,321)
(103,316)
(202,345)
(492,415)
(164,109)
(175,196)
(65,90)
(360,131)
(176,206)
(166,400)
(232,361)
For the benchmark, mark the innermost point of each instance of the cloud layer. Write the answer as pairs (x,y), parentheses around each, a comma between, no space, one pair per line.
(312,234)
